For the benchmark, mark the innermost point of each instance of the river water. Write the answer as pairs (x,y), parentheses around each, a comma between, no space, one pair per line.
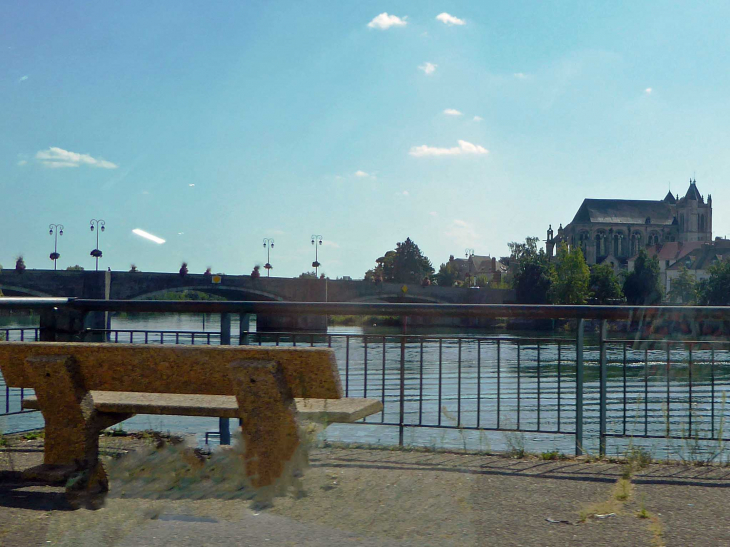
(460,386)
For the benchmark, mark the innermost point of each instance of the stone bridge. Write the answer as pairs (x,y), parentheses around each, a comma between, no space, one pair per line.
(142,285)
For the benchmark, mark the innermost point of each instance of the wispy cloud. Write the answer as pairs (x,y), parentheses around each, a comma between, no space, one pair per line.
(362,174)
(464,148)
(403,193)
(450,19)
(330,244)
(22,78)
(478,118)
(452,112)
(433,214)
(521,76)
(428,68)
(21,163)
(648,90)
(463,233)
(58,157)
(385,21)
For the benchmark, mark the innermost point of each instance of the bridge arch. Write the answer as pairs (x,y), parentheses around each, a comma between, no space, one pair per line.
(23,291)
(208,289)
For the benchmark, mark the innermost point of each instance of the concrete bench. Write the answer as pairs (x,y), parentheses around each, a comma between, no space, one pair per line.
(82,389)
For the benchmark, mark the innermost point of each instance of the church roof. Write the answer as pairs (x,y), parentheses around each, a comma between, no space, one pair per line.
(669,198)
(693,192)
(624,211)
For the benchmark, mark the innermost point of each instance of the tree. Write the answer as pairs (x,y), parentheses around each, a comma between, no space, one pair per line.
(183,269)
(447,275)
(642,286)
(133,268)
(406,264)
(604,285)
(75,268)
(683,288)
(715,291)
(208,272)
(533,272)
(20,265)
(256,273)
(571,275)
(307,275)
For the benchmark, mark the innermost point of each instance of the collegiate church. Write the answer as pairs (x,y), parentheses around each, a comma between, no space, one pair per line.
(614,230)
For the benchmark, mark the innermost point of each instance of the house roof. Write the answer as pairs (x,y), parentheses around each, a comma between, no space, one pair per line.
(702,257)
(672,250)
(624,211)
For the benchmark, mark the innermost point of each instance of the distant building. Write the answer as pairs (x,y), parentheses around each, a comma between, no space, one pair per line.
(476,265)
(614,230)
(698,261)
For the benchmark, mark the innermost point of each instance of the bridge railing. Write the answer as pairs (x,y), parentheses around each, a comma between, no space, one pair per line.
(612,373)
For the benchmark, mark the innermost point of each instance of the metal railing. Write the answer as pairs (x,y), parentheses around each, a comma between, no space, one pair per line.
(609,387)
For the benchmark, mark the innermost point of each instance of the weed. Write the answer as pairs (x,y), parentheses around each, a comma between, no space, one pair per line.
(552,455)
(3,440)
(34,435)
(516,442)
(622,490)
(117,431)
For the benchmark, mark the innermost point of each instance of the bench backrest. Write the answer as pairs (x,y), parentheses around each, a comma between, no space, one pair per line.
(309,372)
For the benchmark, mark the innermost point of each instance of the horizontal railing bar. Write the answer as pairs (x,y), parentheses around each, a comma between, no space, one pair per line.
(32,302)
(620,313)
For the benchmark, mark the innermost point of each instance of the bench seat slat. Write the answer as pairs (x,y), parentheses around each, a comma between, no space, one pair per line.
(224,406)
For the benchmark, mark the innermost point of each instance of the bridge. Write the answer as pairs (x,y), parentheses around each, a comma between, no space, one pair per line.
(109,285)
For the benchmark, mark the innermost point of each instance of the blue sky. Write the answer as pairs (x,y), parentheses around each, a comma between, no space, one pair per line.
(216,125)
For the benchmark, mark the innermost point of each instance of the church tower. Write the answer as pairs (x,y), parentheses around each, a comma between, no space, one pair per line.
(694,216)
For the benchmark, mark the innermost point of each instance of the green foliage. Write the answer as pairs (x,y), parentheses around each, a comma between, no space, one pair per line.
(482,280)
(307,275)
(404,265)
(604,284)
(75,268)
(186,295)
(715,291)
(642,286)
(570,280)
(447,275)
(683,288)
(34,435)
(534,273)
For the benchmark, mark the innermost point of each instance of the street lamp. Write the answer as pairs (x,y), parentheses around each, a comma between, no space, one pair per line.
(99,226)
(467,253)
(268,245)
(316,240)
(55,230)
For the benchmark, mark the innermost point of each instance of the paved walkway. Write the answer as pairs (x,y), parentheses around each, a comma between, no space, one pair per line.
(377,497)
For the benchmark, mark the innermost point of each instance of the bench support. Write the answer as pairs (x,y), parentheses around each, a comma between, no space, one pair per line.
(269,428)
(72,423)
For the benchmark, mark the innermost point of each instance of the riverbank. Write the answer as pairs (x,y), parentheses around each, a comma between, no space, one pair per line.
(384,497)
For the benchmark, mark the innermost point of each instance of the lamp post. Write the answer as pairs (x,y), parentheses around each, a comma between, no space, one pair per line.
(55,230)
(97,225)
(316,239)
(468,253)
(268,245)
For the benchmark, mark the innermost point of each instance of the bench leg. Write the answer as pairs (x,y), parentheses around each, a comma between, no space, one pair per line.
(267,411)
(72,424)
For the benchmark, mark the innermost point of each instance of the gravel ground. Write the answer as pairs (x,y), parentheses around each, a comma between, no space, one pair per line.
(370,497)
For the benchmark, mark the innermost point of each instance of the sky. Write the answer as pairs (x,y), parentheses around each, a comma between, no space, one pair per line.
(462,125)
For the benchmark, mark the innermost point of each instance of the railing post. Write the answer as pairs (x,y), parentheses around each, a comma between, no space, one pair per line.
(579,388)
(224,427)
(602,395)
(402,411)
(243,332)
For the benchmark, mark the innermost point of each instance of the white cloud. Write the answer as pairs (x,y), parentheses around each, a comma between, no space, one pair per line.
(332,244)
(403,193)
(478,118)
(22,78)
(450,19)
(433,214)
(463,233)
(648,90)
(58,157)
(463,149)
(520,75)
(385,21)
(361,174)
(428,68)
(452,112)
(21,163)
(191,185)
